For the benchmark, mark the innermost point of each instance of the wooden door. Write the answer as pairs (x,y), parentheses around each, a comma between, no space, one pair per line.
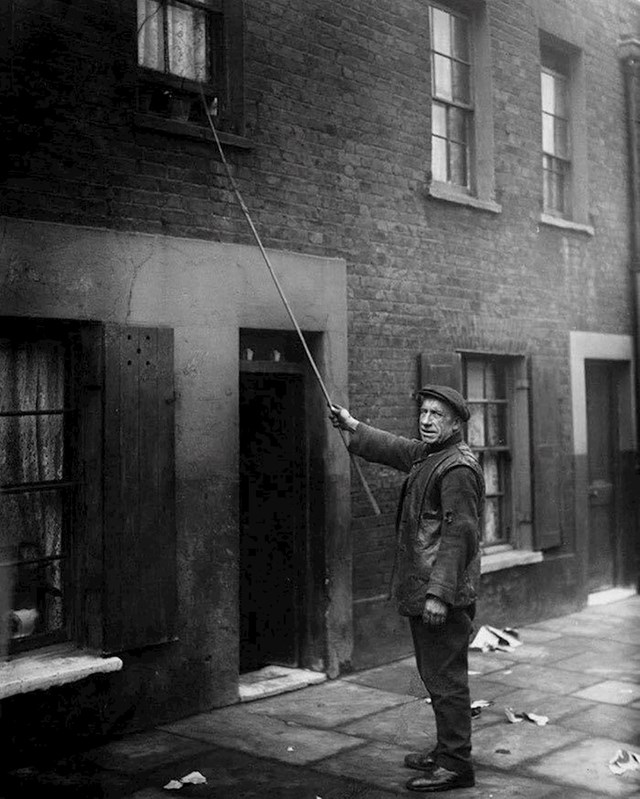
(272,503)
(602,428)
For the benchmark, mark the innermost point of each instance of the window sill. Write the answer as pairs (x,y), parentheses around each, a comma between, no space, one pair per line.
(566,224)
(446,192)
(508,560)
(188,130)
(50,667)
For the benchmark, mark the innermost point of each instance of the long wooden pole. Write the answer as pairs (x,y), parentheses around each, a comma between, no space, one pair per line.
(316,372)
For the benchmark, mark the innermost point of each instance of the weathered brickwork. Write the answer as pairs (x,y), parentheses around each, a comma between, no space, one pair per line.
(337,112)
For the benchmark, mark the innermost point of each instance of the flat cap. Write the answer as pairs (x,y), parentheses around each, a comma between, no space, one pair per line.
(450,396)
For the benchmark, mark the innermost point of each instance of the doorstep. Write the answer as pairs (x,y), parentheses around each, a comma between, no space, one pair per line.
(609,595)
(274,680)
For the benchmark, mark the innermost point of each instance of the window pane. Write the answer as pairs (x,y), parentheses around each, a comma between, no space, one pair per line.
(187,41)
(461,84)
(460,38)
(458,164)
(492,534)
(35,519)
(496,426)
(439,120)
(439,159)
(476,426)
(150,34)
(32,449)
(31,376)
(548,134)
(491,473)
(458,125)
(561,139)
(440,31)
(560,108)
(475,379)
(442,78)
(548,92)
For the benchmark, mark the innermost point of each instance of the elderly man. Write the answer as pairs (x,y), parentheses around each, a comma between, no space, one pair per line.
(437,566)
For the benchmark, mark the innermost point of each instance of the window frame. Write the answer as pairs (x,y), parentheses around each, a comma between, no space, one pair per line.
(518,501)
(171,102)
(451,104)
(564,60)
(123,566)
(480,189)
(68,485)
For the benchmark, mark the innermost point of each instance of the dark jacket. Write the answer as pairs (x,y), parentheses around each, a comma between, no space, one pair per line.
(438,520)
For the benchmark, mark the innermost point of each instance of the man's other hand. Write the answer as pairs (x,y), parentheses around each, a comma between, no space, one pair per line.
(435,612)
(340,417)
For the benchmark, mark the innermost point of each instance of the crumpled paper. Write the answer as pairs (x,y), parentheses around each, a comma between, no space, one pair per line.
(477,705)
(624,761)
(516,716)
(488,639)
(192,778)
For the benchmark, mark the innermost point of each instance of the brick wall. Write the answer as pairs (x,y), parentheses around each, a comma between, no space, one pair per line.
(338,114)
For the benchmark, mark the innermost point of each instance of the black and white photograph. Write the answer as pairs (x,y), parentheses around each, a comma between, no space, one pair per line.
(319,399)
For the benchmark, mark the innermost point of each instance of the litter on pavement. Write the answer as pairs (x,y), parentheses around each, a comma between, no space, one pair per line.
(477,705)
(624,761)
(516,716)
(192,778)
(488,639)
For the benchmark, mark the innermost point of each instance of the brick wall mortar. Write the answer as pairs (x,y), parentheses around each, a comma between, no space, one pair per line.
(338,113)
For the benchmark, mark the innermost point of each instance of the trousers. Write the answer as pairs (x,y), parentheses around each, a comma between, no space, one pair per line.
(442,661)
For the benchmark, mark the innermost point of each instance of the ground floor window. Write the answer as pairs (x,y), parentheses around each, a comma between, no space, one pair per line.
(487,383)
(37,483)
(87,518)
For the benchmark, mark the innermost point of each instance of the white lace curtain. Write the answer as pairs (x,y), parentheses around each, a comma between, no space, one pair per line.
(32,451)
(184,50)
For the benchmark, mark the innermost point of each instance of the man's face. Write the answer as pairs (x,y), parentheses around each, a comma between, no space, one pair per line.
(437,421)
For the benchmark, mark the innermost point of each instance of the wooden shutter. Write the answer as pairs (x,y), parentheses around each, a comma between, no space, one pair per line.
(546,450)
(139,530)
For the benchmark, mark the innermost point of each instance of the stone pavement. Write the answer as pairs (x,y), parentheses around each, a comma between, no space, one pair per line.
(346,739)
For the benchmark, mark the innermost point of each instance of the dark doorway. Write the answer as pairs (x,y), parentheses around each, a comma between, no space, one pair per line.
(272,514)
(602,435)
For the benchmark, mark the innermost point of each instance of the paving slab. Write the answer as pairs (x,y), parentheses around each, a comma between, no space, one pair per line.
(609,721)
(381,765)
(236,775)
(554,706)
(400,677)
(329,705)
(602,664)
(485,662)
(627,609)
(586,765)
(615,692)
(485,689)
(585,625)
(412,726)
(270,737)
(143,751)
(542,678)
(507,745)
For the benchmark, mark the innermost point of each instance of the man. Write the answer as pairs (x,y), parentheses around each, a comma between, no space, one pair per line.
(437,566)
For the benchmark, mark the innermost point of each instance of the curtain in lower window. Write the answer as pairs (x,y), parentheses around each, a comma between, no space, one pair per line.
(32,389)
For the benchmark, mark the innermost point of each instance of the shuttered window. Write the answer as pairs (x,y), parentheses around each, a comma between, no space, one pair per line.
(37,485)
(87,530)
(487,388)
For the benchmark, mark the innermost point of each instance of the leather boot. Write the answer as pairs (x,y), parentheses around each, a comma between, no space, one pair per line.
(422,761)
(441,779)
